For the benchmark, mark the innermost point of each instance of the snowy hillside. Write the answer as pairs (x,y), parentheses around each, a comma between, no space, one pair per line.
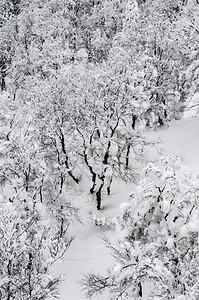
(88,252)
(96,100)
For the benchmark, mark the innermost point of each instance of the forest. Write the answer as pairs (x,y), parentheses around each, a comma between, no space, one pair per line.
(81,82)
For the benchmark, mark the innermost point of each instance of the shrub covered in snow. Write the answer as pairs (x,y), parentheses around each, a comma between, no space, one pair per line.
(32,239)
(157,246)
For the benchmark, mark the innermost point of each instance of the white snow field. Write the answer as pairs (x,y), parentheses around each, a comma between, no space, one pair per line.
(87,252)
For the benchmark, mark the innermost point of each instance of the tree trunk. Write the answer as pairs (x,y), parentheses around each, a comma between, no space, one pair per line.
(134,118)
(29,268)
(9,274)
(93,174)
(3,83)
(109,187)
(99,197)
(73,177)
(99,192)
(61,183)
(94,183)
(127,155)
(62,140)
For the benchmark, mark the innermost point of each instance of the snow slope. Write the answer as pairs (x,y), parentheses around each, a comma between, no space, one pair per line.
(87,252)
(182,138)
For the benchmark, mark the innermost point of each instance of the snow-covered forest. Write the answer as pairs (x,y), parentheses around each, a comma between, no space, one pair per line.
(99,149)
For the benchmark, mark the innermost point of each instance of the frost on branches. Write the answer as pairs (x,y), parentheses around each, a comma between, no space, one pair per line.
(30,243)
(157,248)
(34,211)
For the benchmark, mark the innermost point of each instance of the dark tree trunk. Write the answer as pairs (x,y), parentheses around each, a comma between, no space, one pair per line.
(61,183)
(62,140)
(140,289)
(27,178)
(9,274)
(73,177)
(29,268)
(99,197)
(93,174)
(3,84)
(99,192)
(160,121)
(106,155)
(94,183)
(134,118)
(62,228)
(127,155)
(109,187)
(40,194)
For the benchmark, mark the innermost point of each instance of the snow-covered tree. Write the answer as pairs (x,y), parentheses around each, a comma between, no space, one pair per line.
(188,26)
(156,247)
(44,37)
(34,214)
(157,55)
(87,123)
(90,111)
(31,242)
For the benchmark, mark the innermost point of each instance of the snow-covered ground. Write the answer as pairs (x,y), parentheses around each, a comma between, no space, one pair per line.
(87,252)
(182,139)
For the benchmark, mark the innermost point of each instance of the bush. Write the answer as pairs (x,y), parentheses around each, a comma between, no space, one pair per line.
(157,248)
